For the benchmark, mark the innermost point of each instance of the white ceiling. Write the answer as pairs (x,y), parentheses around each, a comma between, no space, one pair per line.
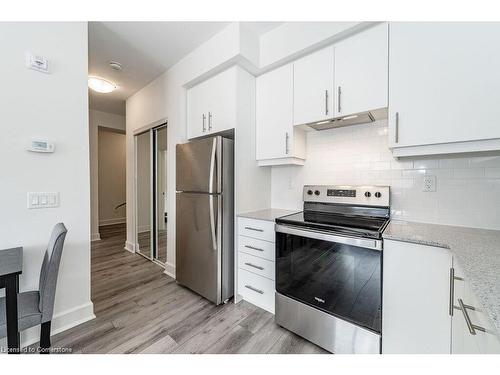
(146,50)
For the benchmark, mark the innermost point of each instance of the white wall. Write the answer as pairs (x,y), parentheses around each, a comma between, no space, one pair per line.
(52,106)
(112,180)
(96,119)
(468,188)
(166,97)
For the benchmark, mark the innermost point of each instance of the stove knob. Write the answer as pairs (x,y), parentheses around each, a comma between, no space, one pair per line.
(378,194)
(316,192)
(368,194)
(309,192)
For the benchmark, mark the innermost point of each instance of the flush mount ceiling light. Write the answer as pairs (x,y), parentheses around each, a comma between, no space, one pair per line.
(115,65)
(101,85)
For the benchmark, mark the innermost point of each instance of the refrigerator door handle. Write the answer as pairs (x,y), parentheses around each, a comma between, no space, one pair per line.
(212,167)
(212,222)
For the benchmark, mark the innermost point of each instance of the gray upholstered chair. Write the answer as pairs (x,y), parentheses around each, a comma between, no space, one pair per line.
(37,306)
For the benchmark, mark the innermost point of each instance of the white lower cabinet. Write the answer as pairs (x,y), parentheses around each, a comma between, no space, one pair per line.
(256,289)
(256,262)
(481,336)
(415,307)
(424,294)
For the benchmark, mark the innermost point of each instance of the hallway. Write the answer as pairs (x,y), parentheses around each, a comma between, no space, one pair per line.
(139,309)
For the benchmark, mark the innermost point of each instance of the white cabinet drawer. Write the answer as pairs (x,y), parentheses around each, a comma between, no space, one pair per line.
(259,266)
(260,248)
(260,229)
(256,289)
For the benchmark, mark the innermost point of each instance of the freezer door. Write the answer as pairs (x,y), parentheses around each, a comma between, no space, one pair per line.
(198,165)
(198,244)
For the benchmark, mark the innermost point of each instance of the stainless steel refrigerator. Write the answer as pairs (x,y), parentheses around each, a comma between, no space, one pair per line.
(205,217)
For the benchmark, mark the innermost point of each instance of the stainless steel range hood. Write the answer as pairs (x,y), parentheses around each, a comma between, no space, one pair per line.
(355,119)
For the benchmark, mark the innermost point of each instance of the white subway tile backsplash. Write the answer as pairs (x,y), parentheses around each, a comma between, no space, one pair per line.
(454,163)
(468,188)
(426,164)
(395,164)
(468,172)
(492,172)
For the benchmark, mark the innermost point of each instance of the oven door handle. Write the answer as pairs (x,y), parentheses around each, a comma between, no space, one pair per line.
(318,235)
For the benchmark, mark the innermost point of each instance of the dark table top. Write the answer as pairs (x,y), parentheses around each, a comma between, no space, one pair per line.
(11,260)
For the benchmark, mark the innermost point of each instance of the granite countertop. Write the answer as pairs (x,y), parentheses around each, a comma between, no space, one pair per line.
(476,250)
(269,214)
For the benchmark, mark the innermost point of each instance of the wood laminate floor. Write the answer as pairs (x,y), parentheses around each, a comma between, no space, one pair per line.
(144,240)
(139,309)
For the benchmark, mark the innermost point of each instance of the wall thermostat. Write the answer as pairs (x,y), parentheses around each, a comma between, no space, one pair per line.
(37,62)
(38,145)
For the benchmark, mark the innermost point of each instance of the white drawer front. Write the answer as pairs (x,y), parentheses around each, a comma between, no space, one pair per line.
(262,267)
(260,248)
(256,289)
(260,229)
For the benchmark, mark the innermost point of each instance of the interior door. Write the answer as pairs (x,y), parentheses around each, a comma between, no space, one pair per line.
(160,182)
(144,196)
(197,245)
(275,113)
(313,87)
(361,71)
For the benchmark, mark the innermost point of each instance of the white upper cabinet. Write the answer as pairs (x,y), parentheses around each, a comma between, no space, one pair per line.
(211,105)
(361,72)
(277,140)
(313,87)
(443,87)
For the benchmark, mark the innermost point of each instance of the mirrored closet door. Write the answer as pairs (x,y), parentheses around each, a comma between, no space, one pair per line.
(150,194)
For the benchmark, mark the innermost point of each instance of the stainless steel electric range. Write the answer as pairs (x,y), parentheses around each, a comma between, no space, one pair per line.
(329,267)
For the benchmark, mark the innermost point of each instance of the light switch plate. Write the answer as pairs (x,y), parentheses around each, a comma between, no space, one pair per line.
(43,200)
(429,184)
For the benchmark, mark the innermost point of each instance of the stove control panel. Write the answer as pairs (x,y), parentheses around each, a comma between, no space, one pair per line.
(362,195)
(340,193)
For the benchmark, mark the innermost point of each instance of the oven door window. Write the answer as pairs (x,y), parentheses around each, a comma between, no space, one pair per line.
(342,280)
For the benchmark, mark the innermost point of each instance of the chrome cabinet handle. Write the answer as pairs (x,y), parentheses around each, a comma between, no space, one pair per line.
(203,122)
(209,121)
(253,248)
(254,289)
(472,327)
(326,102)
(396,131)
(339,102)
(255,229)
(453,278)
(287,150)
(254,266)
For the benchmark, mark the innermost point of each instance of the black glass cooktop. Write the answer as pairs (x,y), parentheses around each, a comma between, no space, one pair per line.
(368,226)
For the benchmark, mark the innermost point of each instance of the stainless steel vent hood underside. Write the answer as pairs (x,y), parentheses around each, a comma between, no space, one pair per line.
(355,119)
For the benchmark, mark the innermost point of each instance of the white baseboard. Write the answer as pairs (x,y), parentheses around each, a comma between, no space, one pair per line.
(142,229)
(95,236)
(119,220)
(170,270)
(130,246)
(60,322)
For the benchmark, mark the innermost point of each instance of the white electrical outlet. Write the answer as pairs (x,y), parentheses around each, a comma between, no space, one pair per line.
(429,183)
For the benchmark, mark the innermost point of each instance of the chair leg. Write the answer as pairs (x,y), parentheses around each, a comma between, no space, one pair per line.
(45,338)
